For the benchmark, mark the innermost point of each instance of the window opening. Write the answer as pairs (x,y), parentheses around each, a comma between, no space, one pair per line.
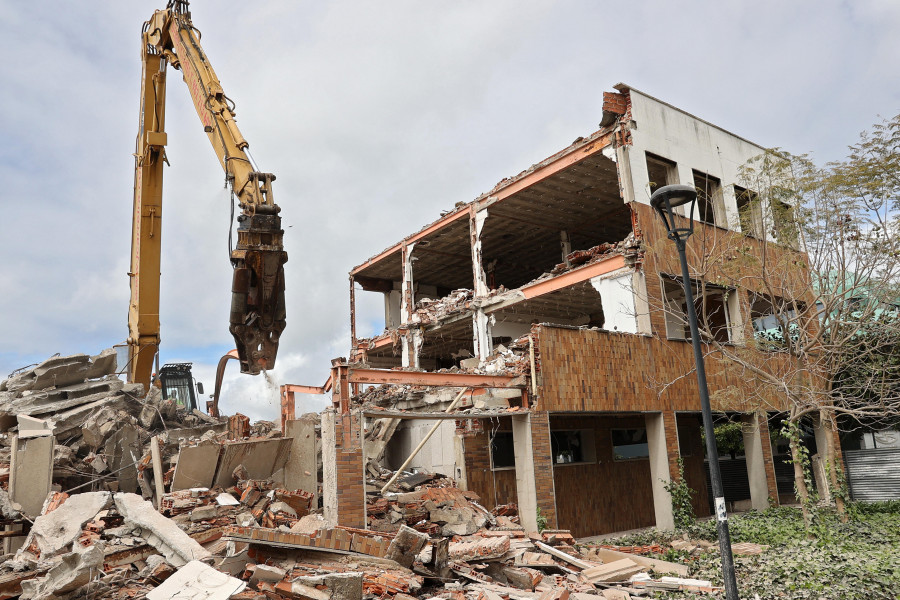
(661,172)
(630,444)
(709,198)
(712,311)
(503,454)
(749,211)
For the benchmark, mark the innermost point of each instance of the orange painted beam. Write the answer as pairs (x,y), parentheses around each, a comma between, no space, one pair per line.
(574,276)
(292,388)
(435,379)
(548,167)
(551,167)
(375,343)
(445,220)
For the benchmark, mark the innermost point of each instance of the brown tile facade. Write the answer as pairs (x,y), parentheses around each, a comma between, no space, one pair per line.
(351,499)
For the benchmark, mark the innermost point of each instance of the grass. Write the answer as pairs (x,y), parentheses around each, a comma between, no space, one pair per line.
(859,559)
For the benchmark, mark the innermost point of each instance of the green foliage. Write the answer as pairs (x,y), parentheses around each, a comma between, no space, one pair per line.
(541,520)
(729,438)
(681,494)
(859,560)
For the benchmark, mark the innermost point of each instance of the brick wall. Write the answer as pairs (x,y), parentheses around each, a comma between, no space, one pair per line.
(351,495)
(543,467)
(584,370)
(692,453)
(762,420)
(494,487)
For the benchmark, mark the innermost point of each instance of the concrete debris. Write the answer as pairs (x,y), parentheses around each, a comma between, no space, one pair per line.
(197,580)
(163,534)
(220,513)
(73,571)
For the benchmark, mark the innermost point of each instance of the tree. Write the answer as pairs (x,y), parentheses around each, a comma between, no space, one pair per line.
(815,278)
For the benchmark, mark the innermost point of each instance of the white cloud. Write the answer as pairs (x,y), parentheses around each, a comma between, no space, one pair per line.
(374,117)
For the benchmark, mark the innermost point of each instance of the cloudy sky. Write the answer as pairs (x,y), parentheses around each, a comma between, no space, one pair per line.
(375,116)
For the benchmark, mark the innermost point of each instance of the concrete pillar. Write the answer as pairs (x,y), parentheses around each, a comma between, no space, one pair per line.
(476,224)
(825,462)
(300,470)
(660,473)
(763,424)
(482,339)
(754,442)
(525,484)
(343,480)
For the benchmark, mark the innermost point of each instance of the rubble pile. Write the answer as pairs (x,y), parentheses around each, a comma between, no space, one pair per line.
(203,512)
(428,310)
(252,542)
(100,424)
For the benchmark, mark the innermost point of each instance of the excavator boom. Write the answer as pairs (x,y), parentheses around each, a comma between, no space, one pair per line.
(257,315)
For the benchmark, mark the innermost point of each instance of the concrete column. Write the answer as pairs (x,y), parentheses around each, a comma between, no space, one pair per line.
(756,460)
(525,484)
(660,473)
(407,289)
(343,485)
(825,460)
(476,224)
(300,470)
(482,339)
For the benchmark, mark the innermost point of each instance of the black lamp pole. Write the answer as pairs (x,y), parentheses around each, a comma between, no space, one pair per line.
(663,201)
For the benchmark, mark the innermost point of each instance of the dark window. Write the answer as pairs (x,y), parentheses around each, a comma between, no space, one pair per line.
(567,446)
(661,172)
(629,444)
(709,196)
(785,224)
(503,455)
(711,307)
(749,211)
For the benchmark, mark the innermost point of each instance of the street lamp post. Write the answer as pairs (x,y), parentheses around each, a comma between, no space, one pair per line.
(664,200)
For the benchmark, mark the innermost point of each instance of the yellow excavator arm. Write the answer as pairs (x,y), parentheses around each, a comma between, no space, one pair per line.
(257,304)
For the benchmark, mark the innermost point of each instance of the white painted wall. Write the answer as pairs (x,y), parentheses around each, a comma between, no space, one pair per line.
(617,296)
(688,141)
(438,455)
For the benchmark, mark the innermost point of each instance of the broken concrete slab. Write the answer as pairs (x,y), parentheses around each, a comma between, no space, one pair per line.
(310,524)
(31,472)
(61,370)
(300,468)
(658,566)
(56,530)
(338,586)
(479,549)
(617,570)
(406,545)
(175,545)
(267,573)
(197,580)
(261,458)
(196,466)
(29,427)
(103,364)
(76,569)
(123,451)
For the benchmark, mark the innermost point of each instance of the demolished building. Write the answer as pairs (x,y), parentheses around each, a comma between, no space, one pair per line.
(553,303)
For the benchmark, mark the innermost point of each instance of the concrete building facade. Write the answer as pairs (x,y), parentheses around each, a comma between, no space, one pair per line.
(552,303)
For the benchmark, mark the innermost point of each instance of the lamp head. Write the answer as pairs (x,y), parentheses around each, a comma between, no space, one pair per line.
(667,198)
